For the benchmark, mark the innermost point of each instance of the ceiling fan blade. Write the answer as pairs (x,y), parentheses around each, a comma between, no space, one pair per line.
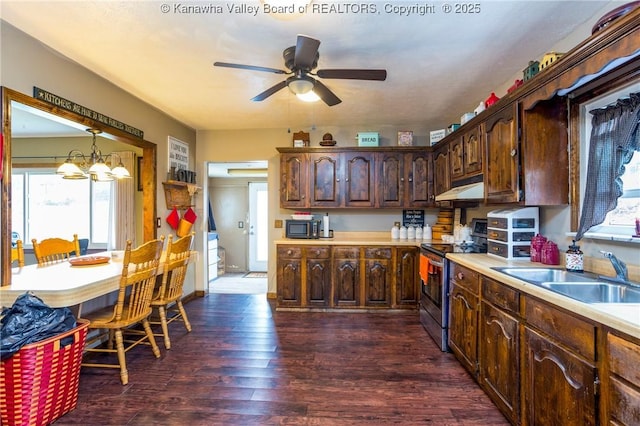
(306,52)
(353,74)
(248,67)
(325,94)
(270,91)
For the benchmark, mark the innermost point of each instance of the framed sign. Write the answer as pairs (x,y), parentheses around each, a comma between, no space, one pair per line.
(178,154)
(413,217)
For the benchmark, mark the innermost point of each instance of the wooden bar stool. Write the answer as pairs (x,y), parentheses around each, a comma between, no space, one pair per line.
(133,307)
(168,297)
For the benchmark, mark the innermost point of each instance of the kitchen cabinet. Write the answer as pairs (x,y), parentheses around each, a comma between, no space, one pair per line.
(377,275)
(346,276)
(317,272)
(294,182)
(324,276)
(407,277)
(559,373)
(502,180)
(466,154)
(441,174)
(405,179)
(621,380)
(499,346)
(359,175)
(289,276)
(463,316)
(325,174)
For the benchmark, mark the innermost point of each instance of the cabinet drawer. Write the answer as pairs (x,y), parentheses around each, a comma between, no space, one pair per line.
(501,295)
(572,332)
(498,222)
(290,252)
(624,358)
(465,278)
(494,234)
(377,253)
(346,252)
(624,403)
(318,252)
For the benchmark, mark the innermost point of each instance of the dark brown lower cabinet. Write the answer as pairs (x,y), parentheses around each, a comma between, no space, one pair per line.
(463,327)
(346,277)
(377,276)
(407,277)
(558,386)
(621,381)
(289,275)
(318,276)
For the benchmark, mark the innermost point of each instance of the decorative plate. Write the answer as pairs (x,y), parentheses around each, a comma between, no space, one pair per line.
(89,260)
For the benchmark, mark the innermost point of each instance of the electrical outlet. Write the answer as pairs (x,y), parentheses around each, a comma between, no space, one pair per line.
(278,223)
(158,222)
(240,224)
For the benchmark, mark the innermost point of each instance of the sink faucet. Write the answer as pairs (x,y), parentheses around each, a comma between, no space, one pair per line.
(618,265)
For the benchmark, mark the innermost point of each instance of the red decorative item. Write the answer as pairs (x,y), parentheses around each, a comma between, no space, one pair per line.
(492,99)
(173,219)
(550,253)
(515,85)
(190,216)
(536,247)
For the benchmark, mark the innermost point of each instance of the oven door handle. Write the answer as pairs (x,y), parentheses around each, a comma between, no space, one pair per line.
(438,264)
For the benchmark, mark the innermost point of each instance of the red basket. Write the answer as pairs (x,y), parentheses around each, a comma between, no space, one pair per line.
(40,381)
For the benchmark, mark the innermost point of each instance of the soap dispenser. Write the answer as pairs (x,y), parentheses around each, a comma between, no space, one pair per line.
(574,259)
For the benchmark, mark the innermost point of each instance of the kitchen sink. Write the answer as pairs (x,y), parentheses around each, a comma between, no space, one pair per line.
(585,287)
(596,292)
(543,275)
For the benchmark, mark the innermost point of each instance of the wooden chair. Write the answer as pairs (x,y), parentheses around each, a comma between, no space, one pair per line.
(174,271)
(17,253)
(133,307)
(53,250)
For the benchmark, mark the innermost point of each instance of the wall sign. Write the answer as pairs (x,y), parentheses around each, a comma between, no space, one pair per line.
(178,154)
(68,105)
(413,217)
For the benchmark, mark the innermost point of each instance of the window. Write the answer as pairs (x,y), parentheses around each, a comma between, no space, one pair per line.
(619,223)
(45,205)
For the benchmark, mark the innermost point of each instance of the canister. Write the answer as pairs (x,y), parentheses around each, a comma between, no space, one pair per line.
(574,259)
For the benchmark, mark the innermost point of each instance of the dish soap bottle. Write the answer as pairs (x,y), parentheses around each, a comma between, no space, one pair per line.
(574,259)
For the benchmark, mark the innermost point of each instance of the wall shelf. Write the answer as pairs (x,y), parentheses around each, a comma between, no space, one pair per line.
(179,194)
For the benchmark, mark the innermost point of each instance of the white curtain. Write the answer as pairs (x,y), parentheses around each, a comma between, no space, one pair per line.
(123,204)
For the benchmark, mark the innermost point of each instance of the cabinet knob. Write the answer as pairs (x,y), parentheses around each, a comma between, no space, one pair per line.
(410,179)
(401,179)
(514,152)
(460,275)
(337,179)
(346,180)
(289,252)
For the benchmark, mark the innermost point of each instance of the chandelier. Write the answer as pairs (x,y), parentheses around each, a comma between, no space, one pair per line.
(93,165)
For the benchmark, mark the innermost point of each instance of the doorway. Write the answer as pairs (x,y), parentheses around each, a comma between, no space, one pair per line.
(258,227)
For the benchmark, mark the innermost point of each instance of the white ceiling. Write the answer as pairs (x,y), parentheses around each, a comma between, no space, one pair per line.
(439,65)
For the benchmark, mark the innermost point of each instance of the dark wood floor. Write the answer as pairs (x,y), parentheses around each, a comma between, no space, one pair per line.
(245,364)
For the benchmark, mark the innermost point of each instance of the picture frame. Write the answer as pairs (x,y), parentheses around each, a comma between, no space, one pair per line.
(139,172)
(405,138)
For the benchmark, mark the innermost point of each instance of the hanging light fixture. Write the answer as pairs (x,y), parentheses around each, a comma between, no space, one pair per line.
(95,162)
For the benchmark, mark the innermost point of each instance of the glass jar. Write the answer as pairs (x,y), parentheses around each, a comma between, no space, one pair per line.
(574,258)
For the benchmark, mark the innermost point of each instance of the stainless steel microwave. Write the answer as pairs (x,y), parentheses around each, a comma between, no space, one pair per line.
(304,229)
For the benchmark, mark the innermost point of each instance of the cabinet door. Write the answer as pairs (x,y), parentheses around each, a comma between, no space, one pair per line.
(407,280)
(318,276)
(391,179)
(621,382)
(441,178)
(503,158)
(418,180)
(325,175)
(377,276)
(463,326)
(294,183)
(558,387)
(456,158)
(359,180)
(289,276)
(346,276)
(499,361)
(473,149)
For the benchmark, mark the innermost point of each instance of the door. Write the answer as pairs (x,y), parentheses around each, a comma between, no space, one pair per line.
(258,226)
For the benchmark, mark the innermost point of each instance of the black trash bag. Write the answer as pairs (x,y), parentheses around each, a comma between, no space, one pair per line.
(30,320)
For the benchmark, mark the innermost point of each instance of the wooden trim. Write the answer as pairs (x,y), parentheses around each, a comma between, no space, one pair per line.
(149,150)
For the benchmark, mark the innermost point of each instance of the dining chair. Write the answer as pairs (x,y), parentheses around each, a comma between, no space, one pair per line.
(17,253)
(53,250)
(132,308)
(168,295)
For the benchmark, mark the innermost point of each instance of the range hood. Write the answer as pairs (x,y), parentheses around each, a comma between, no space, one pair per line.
(473,191)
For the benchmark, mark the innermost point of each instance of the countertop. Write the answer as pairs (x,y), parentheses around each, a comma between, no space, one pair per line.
(623,317)
(356,238)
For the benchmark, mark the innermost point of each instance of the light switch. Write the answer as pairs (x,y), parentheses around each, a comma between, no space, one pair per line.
(240,224)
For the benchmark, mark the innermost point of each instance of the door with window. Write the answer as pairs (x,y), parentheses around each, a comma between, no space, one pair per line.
(258,226)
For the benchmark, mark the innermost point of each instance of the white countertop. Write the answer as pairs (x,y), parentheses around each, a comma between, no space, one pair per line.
(624,317)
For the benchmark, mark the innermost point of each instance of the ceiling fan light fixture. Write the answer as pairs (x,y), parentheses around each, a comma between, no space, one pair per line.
(301,85)
(310,96)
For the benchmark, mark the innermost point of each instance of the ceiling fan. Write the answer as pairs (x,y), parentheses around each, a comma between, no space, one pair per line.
(301,59)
